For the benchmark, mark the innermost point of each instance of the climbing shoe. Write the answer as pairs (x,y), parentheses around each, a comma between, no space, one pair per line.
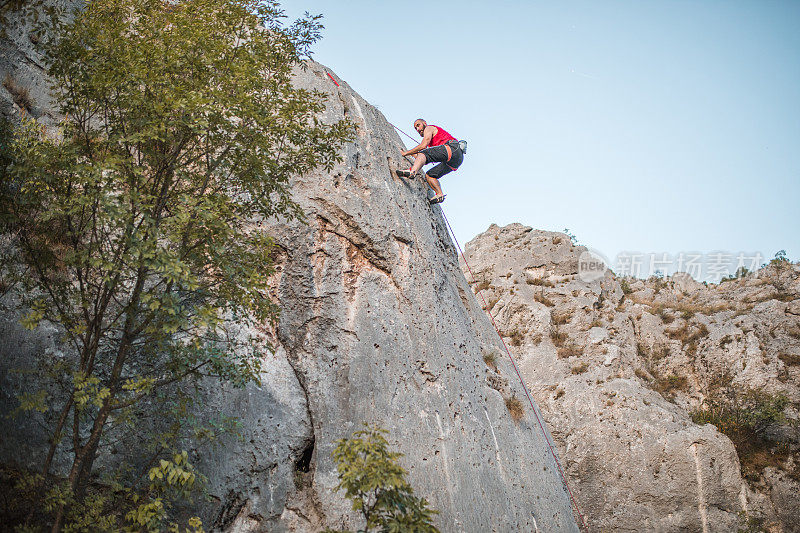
(408,174)
(437,199)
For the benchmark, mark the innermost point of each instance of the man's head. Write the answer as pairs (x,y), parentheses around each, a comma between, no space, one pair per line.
(419,125)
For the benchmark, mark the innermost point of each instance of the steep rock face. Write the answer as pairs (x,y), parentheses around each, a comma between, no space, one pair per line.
(617,376)
(378,325)
(24,87)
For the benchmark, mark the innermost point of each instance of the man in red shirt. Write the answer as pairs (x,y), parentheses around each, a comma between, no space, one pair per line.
(437,146)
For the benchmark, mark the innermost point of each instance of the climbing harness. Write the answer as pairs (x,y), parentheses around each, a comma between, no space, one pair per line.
(462,145)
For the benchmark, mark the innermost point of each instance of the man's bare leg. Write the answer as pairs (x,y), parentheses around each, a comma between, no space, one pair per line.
(419,162)
(434,183)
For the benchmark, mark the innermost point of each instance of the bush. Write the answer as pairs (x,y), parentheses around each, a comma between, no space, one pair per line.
(375,484)
(625,286)
(779,259)
(744,416)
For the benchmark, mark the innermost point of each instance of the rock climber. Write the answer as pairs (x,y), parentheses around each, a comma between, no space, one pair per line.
(437,146)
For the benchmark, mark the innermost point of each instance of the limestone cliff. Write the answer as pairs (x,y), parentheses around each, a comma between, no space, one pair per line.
(378,325)
(618,367)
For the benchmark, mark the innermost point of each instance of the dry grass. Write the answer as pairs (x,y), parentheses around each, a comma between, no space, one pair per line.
(490,358)
(539,282)
(557,336)
(537,339)
(679,334)
(19,94)
(688,310)
(691,349)
(581,368)
(642,350)
(542,299)
(641,300)
(515,408)
(688,334)
(559,394)
(790,359)
(569,350)
(660,351)
(724,341)
(596,323)
(670,385)
(482,286)
(641,374)
(793,331)
(561,318)
(663,312)
(516,337)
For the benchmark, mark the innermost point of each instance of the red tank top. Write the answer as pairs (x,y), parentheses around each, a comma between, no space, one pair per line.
(441,136)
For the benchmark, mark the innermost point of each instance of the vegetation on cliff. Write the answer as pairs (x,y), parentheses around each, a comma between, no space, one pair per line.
(136,233)
(375,483)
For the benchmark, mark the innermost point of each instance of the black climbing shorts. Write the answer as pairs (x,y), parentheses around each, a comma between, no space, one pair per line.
(438,154)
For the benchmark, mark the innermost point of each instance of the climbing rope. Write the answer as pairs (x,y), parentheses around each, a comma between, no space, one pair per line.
(521,381)
(577,511)
(404,133)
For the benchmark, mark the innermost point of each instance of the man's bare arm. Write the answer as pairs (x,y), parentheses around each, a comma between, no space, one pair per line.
(427,136)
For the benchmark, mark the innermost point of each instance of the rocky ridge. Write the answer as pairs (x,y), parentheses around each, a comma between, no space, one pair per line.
(621,367)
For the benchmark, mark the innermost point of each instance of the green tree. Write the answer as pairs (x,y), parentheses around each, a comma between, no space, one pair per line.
(375,483)
(138,227)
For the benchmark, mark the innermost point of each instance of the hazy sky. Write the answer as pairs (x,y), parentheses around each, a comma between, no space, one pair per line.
(654,127)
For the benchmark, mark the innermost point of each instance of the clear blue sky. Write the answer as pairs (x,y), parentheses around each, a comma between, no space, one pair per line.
(642,126)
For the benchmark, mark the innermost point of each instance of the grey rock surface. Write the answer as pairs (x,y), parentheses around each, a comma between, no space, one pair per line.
(378,325)
(617,376)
